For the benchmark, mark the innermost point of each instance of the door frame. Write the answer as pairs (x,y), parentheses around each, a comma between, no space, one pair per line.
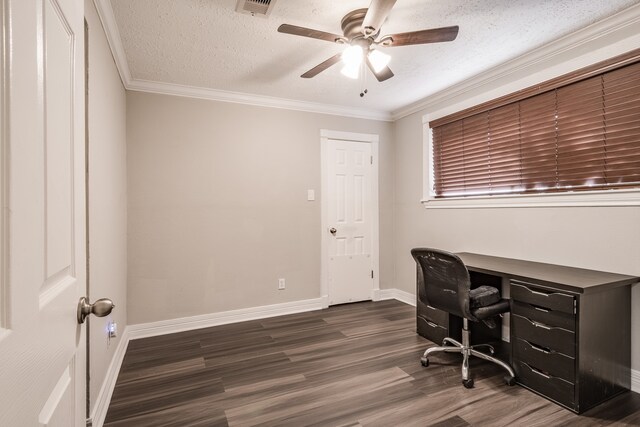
(373,139)
(4,170)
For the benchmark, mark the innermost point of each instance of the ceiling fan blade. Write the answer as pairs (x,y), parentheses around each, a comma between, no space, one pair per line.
(322,66)
(434,35)
(376,14)
(308,32)
(381,75)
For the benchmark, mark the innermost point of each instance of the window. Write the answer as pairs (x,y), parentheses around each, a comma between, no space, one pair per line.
(576,133)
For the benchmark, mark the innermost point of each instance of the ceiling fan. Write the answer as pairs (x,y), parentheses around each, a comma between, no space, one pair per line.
(361,29)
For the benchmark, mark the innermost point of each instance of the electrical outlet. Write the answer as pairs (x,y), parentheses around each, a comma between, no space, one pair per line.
(280,284)
(113,329)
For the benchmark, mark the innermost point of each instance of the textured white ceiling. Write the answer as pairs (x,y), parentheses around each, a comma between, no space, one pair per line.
(205,43)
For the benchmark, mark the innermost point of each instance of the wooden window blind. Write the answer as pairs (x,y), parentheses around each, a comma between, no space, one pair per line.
(583,135)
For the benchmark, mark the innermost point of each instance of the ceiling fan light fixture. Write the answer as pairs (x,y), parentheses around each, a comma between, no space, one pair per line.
(361,31)
(351,70)
(378,60)
(352,56)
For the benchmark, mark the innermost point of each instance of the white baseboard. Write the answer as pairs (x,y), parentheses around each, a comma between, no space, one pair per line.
(400,295)
(163,327)
(99,411)
(635,381)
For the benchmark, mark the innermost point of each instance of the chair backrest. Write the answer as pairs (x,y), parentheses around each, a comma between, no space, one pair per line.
(445,281)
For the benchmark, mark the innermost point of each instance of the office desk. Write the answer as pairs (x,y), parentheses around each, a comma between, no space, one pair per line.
(570,329)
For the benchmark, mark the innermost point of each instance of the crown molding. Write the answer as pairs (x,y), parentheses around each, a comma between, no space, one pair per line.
(623,24)
(105,12)
(618,24)
(108,20)
(255,100)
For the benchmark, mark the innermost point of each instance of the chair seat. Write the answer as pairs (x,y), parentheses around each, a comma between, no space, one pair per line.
(483,296)
(482,313)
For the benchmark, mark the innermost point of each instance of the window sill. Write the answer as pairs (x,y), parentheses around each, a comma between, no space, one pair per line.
(585,198)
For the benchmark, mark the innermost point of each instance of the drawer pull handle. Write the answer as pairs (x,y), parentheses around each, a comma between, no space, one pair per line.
(538,293)
(544,310)
(544,294)
(540,373)
(535,371)
(541,325)
(541,350)
(433,325)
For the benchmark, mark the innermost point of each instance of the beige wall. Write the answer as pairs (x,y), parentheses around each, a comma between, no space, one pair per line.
(218,211)
(601,238)
(107,198)
(218,206)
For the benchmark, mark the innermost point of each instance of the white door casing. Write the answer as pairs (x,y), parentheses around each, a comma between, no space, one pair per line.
(42,347)
(350,206)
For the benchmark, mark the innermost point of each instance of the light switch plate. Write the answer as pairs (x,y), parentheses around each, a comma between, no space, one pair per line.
(311,195)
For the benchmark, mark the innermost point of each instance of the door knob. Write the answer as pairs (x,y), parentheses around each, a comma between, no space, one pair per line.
(333,231)
(100,308)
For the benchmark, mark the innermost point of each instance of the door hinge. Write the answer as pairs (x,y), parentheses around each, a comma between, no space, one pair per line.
(372,274)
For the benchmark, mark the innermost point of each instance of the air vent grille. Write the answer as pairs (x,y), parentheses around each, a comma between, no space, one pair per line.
(255,7)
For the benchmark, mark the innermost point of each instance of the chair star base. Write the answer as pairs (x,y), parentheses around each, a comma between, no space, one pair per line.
(449,345)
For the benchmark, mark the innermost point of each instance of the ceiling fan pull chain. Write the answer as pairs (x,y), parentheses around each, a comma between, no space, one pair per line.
(363,81)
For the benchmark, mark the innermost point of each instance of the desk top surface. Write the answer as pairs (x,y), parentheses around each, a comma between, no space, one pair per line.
(578,280)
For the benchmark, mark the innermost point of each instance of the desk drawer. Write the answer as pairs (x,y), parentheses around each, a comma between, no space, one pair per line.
(557,301)
(439,317)
(431,331)
(542,335)
(548,361)
(543,315)
(549,386)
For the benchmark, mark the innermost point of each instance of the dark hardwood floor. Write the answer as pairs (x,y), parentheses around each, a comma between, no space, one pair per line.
(350,365)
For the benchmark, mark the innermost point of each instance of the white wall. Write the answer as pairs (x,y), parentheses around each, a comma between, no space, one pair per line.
(601,238)
(218,206)
(107,198)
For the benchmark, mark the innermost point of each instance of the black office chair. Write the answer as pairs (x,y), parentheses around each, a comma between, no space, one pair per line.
(446,286)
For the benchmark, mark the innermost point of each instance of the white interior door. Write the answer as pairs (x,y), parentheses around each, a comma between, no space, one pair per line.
(349,220)
(42,353)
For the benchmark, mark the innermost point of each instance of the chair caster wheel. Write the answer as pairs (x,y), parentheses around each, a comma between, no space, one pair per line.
(510,381)
(468,383)
(424,361)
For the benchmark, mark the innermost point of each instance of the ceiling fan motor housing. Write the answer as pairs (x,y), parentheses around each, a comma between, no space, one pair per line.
(352,25)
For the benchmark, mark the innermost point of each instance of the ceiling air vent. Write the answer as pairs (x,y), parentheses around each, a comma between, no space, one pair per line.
(255,7)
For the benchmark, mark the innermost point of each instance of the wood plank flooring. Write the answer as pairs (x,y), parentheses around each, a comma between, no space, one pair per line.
(349,365)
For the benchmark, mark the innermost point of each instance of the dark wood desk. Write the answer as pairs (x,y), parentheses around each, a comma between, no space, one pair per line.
(570,328)
(577,280)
